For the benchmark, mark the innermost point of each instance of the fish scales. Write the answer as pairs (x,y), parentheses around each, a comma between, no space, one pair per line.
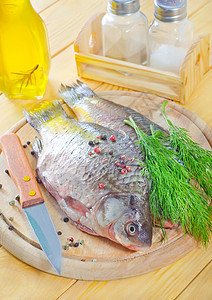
(89,107)
(91,187)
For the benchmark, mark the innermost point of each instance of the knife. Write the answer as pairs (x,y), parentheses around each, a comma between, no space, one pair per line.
(31,198)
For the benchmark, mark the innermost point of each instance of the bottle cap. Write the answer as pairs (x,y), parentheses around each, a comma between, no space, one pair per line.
(170,10)
(123,7)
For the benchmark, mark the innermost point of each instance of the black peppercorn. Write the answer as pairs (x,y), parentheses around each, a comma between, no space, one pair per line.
(66,220)
(7,172)
(104,137)
(38,179)
(17,198)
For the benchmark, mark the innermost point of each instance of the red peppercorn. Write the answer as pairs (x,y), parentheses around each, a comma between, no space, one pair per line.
(124,171)
(128,168)
(101,186)
(123,157)
(113,138)
(131,159)
(96,150)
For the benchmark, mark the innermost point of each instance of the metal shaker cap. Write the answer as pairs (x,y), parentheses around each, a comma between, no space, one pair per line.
(170,10)
(123,7)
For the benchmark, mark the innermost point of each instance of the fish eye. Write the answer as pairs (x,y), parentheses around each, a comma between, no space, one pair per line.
(131,228)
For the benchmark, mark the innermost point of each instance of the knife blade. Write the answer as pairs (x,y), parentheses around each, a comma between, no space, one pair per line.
(31,198)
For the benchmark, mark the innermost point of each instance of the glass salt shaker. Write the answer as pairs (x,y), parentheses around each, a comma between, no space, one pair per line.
(170,35)
(125,32)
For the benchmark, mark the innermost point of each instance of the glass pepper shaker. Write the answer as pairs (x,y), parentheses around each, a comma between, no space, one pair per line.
(170,35)
(125,32)
(24,51)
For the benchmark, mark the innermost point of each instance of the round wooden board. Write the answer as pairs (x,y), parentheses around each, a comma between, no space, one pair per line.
(98,258)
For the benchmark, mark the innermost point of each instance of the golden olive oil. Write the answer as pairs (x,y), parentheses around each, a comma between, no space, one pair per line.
(24,51)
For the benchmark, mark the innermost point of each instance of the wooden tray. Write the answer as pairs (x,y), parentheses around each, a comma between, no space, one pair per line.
(98,258)
(92,65)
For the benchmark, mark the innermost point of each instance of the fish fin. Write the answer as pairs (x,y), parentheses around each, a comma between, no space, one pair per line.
(47,111)
(75,93)
(37,146)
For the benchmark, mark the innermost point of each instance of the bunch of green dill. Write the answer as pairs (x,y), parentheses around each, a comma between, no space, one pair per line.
(196,159)
(173,195)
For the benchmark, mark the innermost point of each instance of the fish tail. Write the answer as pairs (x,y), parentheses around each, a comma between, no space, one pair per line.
(75,93)
(47,111)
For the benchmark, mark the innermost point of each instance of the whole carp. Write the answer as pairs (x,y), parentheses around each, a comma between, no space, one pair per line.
(89,107)
(93,173)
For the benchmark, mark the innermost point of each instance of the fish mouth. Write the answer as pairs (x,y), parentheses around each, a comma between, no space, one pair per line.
(143,247)
(135,247)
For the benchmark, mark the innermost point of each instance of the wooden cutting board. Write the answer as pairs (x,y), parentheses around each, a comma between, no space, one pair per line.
(98,258)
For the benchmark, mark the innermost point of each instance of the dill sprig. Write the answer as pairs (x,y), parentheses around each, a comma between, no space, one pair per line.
(196,159)
(172,193)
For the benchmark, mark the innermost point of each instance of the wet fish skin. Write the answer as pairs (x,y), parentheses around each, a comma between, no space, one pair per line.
(89,107)
(72,172)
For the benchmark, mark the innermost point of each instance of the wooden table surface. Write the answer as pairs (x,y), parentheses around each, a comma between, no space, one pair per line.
(189,277)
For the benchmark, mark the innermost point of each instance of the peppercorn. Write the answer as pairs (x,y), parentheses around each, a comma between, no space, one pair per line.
(124,171)
(59,232)
(90,143)
(131,159)
(128,168)
(11,219)
(113,138)
(17,197)
(66,220)
(76,244)
(28,142)
(71,239)
(12,202)
(0,185)
(81,242)
(38,179)
(11,227)
(32,152)
(104,137)
(97,150)
(101,186)
(24,145)
(7,172)
(111,152)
